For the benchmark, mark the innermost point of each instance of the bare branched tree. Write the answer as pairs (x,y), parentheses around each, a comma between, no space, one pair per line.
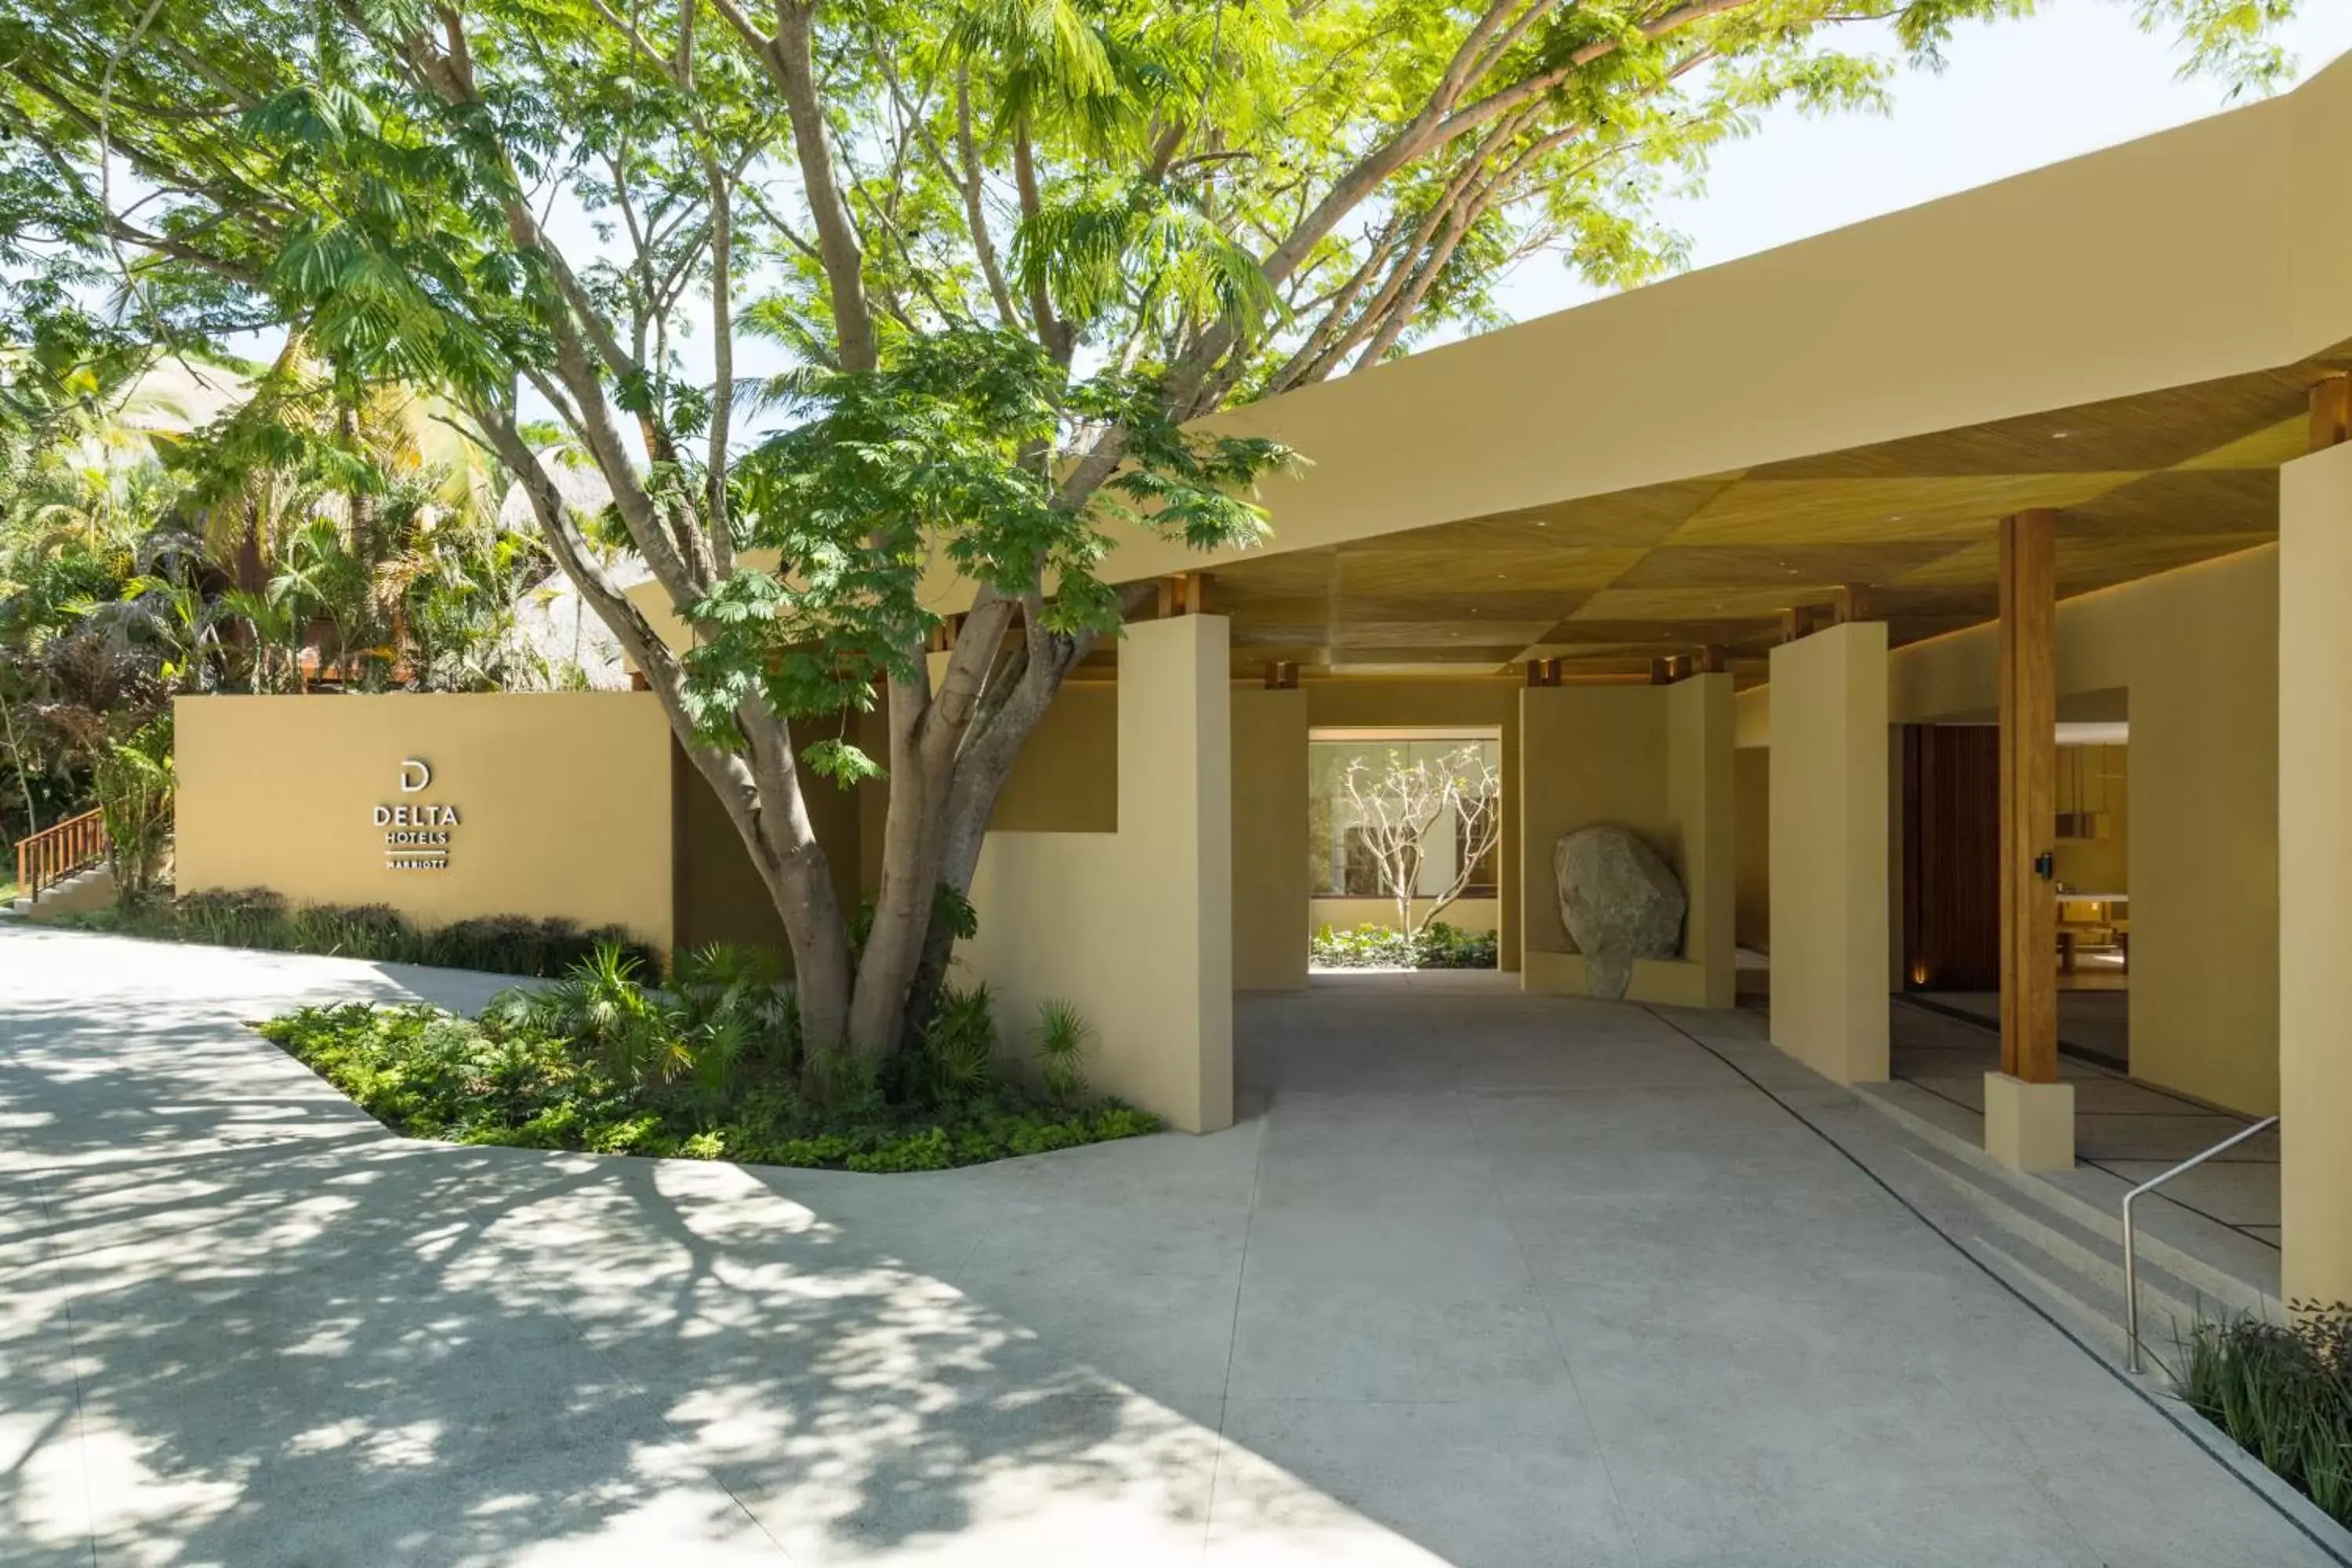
(1400,805)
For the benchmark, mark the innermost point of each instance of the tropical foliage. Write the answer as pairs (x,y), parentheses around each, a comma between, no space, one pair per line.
(1436,945)
(840,298)
(2284,1393)
(288,534)
(702,1070)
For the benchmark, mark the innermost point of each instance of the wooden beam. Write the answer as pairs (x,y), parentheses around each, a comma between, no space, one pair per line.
(1713,659)
(2331,412)
(1662,672)
(1281,675)
(2029,774)
(1796,621)
(1543,672)
(1852,602)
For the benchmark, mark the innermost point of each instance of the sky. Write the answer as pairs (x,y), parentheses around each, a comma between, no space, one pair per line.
(2015,96)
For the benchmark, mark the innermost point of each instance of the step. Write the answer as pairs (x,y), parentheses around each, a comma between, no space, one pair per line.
(89,888)
(2222,1283)
(2077,1272)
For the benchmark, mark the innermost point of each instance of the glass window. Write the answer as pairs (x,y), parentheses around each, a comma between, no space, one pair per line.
(1401,781)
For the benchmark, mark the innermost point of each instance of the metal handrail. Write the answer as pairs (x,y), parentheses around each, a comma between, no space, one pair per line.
(2131,1237)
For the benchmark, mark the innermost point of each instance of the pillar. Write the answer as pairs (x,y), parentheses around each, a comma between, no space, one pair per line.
(2314,870)
(2029,1114)
(1829,851)
(1135,928)
(1272,885)
(1699,796)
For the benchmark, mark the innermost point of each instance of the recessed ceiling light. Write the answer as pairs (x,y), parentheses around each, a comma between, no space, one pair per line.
(2060,435)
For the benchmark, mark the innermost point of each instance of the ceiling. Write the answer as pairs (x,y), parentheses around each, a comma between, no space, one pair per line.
(2143,484)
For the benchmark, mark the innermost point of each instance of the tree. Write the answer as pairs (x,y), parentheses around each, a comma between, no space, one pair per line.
(1399,808)
(1007,251)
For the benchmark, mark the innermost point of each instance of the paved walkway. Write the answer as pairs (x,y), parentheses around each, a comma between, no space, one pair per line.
(1485,1281)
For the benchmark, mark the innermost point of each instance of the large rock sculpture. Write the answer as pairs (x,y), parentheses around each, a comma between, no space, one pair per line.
(1619,901)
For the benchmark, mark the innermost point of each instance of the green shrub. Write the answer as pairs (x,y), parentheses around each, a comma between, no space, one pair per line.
(257,918)
(2284,1393)
(1442,946)
(134,782)
(1366,947)
(955,1060)
(1437,946)
(607,1064)
(1062,1036)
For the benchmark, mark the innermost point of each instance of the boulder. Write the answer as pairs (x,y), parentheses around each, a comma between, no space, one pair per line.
(1619,901)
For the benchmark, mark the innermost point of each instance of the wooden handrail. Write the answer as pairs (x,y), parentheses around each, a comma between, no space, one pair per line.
(48,858)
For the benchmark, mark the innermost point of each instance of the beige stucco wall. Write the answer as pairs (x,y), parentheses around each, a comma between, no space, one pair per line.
(564,802)
(1829,851)
(1433,702)
(2315,933)
(1700,797)
(1066,779)
(1134,927)
(1270,871)
(1751,796)
(2199,650)
(1656,759)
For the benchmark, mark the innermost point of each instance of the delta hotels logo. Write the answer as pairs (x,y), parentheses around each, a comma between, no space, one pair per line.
(415,837)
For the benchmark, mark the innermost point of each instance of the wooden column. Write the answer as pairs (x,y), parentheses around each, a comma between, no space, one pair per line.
(1185,594)
(2331,412)
(2029,768)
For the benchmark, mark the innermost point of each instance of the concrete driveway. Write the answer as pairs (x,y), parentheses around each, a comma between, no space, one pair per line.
(1481,1279)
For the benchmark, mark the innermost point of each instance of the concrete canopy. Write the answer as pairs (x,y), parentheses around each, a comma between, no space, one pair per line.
(2128,336)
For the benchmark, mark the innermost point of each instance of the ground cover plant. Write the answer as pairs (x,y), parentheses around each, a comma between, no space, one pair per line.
(2284,1395)
(1436,945)
(257,918)
(706,1067)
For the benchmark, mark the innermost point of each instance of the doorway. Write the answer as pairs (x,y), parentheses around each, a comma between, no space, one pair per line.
(1404,848)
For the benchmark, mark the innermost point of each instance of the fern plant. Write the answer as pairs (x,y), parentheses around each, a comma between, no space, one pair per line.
(1062,1036)
(958,1046)
(600,1004)
(737,1016)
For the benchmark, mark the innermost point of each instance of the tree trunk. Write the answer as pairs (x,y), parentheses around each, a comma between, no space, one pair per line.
(24,779)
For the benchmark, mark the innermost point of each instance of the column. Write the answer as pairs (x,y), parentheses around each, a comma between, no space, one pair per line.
(2029,1114)
(2315,862)
(1271,884)
(1829,851)
(1699,795)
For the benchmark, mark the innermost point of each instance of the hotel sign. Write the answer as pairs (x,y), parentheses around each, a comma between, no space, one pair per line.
(416,834)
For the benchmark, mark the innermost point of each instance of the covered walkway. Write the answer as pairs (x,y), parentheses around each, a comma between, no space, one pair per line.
(1478,1277)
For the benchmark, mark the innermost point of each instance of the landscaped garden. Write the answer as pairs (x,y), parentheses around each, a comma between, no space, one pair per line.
(2284,1392)
(1436,945)
(257,918)
(709,1067)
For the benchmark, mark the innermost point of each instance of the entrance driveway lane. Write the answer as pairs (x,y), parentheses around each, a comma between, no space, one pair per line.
(1520,1282)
